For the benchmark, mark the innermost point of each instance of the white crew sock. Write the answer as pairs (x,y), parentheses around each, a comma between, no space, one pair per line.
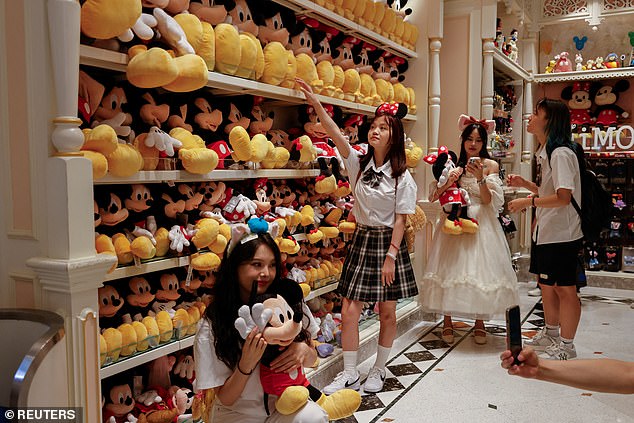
(552,330)
(350,362)
(567,341)
(382,353)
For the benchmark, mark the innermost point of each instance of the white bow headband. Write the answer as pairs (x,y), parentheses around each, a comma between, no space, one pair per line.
(241,232)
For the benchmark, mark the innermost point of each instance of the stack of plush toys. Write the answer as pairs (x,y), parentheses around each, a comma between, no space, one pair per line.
(593,104)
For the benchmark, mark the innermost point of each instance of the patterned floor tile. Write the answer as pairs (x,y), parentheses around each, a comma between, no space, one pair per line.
(392,384)
(420,356)
(370,402)
(433,345)
(404,369)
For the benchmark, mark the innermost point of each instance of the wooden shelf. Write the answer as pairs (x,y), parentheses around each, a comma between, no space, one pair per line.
(508,68)
(147,267)
(626,72)
(124,364)
(228,85)
(158,176)
(310,8)
(322,290)
(605,273)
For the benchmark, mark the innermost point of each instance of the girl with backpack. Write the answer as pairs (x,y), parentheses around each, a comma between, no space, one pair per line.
(557,235)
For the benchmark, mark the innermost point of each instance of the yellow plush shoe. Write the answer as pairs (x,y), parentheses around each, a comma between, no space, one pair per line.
(469,226)
(452,227)
(341,404)
(292,399)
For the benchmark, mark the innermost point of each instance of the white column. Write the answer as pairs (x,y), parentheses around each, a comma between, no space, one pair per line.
(63,23)
(486,108)
(434,92)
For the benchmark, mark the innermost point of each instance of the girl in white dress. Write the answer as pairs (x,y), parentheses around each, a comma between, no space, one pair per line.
(471,275)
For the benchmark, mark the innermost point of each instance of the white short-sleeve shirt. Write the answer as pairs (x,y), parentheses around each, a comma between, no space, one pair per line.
(558,224)
(377,206)
(211,372)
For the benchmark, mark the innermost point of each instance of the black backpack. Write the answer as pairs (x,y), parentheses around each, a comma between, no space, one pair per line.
(596,203)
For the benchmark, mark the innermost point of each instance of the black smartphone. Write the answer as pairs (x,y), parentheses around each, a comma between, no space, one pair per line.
(514,331)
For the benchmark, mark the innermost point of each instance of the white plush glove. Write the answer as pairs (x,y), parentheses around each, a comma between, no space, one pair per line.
(131,418)
(285,211)
(297,274)
(149,397)
(172,33)
(250,318)
(150,224)
(177,238)
(159,139)
(185,367)
(137,232)
(215,214)
(245,206)
(116,123)
(318,215)
(142,28)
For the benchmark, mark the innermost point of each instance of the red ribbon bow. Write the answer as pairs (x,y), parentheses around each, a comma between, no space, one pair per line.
(388,109)
(431,158)
(580,86)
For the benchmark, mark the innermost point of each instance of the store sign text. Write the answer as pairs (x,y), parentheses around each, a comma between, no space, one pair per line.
(610,139)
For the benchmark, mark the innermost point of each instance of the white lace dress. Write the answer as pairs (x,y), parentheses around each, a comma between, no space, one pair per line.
(471,275)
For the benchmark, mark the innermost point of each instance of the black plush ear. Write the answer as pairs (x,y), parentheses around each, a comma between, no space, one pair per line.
(621,86)
(566,93)
(402,110)
(439,165)
(291,291)
(453,156)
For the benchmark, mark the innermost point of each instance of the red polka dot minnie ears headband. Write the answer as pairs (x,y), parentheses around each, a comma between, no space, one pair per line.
(398,110)
(241,232)
(464,121)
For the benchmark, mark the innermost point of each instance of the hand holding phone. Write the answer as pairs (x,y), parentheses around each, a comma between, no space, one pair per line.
(514,332)
(474,159)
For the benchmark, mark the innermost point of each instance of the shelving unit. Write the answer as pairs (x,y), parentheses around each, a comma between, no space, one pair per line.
(124,364)
(215,175)
(313,10)
(228,85)
(510,70)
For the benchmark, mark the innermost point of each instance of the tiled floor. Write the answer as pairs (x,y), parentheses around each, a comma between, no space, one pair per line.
(430,381)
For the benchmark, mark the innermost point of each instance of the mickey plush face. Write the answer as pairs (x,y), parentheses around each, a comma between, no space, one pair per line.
(169,288)
(209,12)
(362,61)
(313,126)
(279,138)
(172,207)
(140,198)
(190,287)
(111,210)
(605,96)
(274,29)
(109,301)
(140,292)
(113,103)
(381,70)
(302,43)
(191,197)
(121,400)
(343,56)
(287,195)
(207,278)
(283,327)
(212,192)
(242,18)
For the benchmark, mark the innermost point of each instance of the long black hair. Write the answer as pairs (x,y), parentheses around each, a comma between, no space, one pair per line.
(223,311)
(558,131)
(396,152)
(484,153)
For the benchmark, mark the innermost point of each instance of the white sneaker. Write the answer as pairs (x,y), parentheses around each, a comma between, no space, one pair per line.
(343,380)
(542,340)
(535,292)
(560,351)
(374,382)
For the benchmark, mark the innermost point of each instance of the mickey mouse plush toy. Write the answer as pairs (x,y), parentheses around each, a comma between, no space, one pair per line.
(605,97)
(579,103)
(278,315)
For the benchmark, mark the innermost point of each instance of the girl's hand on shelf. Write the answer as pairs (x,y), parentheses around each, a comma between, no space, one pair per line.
(308,92)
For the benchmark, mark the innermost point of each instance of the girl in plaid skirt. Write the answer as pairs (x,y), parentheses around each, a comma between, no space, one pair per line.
(377,267)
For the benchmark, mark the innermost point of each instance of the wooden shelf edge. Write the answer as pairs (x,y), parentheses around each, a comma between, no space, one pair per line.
(322,290)
(625,72)
(149,267)
(605,273)
(506,66)
(157,176)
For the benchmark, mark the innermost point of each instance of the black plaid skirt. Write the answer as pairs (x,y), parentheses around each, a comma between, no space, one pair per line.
(361,275)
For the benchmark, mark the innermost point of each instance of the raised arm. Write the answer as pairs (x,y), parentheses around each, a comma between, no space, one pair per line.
(331,127)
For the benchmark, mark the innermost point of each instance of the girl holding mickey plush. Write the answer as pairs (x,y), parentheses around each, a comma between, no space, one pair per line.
(471,275)
(377,268)
(228,364)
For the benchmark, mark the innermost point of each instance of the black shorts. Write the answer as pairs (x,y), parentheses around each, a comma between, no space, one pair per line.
(556,263)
